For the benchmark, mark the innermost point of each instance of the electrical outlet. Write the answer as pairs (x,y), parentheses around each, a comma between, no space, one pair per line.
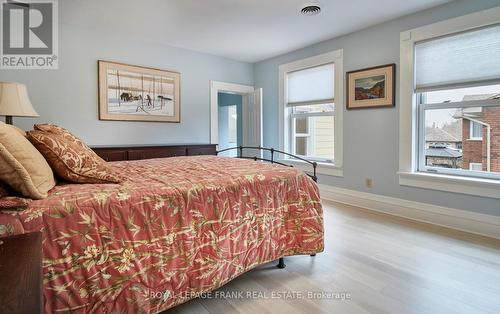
(369,183)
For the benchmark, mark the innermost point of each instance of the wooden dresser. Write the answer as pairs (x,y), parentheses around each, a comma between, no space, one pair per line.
(117,153)
(21,273)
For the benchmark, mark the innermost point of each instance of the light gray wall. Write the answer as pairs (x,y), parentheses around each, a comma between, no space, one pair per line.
(371,135)
(68,96)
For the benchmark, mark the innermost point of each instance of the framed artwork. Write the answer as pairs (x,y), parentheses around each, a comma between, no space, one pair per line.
(372,87)
(135,93)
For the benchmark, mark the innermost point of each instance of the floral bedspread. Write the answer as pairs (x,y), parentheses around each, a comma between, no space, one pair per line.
(176,227)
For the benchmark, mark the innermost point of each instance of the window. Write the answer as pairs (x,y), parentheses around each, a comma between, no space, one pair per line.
(455,108)
(450,104)
(476,166)
(476,131)
(310,108)
(311,90)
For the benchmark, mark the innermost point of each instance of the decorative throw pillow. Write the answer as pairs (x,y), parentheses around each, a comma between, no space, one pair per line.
(55,129)
(22,166)
(19,130)
(70,161)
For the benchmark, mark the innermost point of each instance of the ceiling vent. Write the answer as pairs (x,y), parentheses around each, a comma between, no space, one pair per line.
(310,9)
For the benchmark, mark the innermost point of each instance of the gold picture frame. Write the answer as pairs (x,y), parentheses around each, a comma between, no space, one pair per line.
(137,93)
(371,87)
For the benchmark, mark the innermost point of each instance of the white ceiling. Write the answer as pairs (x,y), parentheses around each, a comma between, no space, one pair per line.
(245,30)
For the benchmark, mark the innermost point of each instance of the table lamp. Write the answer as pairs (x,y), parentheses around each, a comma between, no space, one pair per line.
(14,101)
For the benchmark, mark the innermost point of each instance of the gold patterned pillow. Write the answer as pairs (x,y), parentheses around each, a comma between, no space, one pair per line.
(22,167)
(70,160)
(55,129)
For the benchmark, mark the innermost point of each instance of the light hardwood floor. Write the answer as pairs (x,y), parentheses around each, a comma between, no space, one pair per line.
(387,264)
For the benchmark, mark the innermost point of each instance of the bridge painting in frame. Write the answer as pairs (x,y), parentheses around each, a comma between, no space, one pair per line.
(136,93)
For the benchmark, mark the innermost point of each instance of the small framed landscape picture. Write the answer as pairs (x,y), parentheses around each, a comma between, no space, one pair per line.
(135,93)
(371,87)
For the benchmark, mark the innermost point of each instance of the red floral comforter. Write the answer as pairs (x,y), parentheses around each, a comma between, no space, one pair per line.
(174,228)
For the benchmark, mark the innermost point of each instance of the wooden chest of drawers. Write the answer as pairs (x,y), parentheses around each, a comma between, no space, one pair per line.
(147,152)
(21,273)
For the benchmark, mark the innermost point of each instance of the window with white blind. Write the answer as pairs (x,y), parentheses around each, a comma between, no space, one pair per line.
(311,111)
(312,91)
(450,103)
(457,82)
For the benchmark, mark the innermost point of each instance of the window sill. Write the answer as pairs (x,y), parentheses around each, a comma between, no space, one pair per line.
(449,183)
(322,168)
(477,139)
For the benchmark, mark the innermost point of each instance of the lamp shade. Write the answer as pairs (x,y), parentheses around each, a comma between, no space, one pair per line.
(14,100)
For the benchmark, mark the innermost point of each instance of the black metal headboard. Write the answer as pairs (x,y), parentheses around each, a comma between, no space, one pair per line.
(272,160)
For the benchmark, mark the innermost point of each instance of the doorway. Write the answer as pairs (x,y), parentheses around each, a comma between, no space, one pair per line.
(247,103)
(230,122)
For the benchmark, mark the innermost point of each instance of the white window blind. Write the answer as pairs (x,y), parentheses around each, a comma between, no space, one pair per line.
(459,60)
(311,86)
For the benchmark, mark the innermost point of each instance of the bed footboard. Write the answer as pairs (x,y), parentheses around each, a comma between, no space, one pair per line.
(272,159)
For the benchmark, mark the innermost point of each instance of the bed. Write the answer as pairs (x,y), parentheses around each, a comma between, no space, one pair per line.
(176,227)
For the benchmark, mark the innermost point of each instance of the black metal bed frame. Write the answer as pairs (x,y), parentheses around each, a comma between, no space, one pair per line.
(272,160)
(281,261)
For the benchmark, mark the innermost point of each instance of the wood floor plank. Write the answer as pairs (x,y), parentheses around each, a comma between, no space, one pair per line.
(387,265)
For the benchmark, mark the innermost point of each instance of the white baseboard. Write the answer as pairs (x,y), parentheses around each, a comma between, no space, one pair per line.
(482,224)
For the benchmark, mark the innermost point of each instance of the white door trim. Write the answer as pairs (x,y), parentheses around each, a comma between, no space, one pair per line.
(468,221)
(215,88)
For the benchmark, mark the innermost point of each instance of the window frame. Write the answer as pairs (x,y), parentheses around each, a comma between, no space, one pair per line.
(409,174)
(471,131)
(471,164)
(285,123)
(294,135)
(310,134)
